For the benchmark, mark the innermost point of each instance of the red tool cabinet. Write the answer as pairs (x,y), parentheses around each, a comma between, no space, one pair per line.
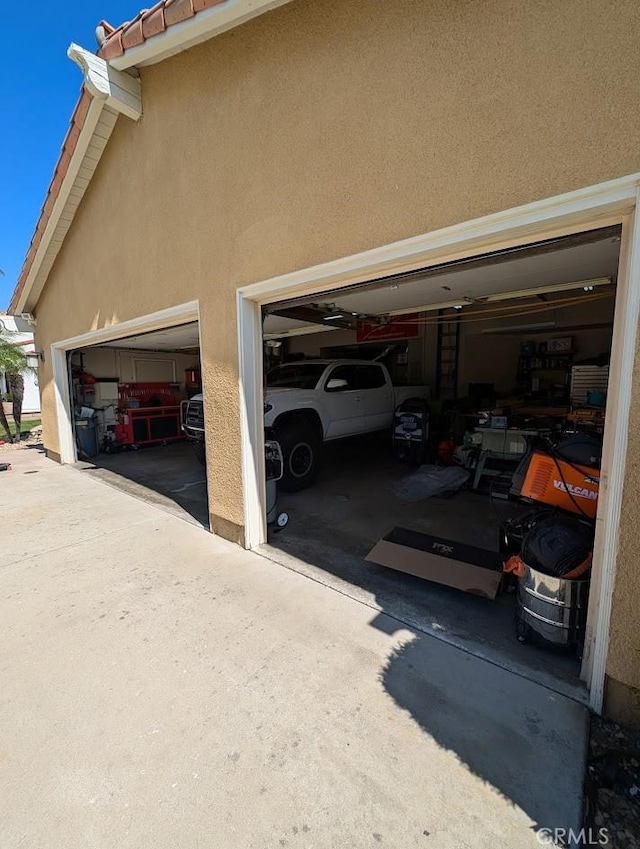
(148,413)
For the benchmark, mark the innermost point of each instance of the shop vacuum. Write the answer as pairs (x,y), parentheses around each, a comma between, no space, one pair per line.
(551,545)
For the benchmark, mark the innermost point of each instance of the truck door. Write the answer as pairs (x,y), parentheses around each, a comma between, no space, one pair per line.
(343,407)
(377,394)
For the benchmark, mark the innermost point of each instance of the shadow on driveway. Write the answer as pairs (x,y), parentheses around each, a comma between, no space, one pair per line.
(523,740)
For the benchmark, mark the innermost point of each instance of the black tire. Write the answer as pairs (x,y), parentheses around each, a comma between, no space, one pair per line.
(300,445)
(201,454)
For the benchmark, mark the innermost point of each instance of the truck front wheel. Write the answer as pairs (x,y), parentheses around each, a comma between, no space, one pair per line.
(300,448)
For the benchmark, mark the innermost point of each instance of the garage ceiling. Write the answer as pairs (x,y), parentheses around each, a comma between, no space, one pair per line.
(182,339)
(432,291)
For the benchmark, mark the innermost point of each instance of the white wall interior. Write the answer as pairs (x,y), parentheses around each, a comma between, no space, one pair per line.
(121,363)
(161,355)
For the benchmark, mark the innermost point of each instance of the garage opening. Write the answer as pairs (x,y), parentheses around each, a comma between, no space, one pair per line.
(129,399)
(416,416)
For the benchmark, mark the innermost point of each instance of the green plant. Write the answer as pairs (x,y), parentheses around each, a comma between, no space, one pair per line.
(13,363)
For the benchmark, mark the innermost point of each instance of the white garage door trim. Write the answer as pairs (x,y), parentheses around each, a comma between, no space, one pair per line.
(181,314)
(612,202)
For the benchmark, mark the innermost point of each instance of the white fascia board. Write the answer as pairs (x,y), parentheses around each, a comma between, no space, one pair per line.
(120,91)
(33,286)
(201,27)
(112,92)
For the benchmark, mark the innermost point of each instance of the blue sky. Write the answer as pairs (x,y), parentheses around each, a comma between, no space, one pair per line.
(39,87)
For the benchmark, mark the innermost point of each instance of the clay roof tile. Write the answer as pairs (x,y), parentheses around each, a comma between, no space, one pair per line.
(149,23)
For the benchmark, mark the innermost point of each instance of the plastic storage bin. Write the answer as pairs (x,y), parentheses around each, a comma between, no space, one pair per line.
(87,436)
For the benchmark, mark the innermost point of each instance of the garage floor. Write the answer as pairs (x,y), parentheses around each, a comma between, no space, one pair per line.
(335,523)
(168,476)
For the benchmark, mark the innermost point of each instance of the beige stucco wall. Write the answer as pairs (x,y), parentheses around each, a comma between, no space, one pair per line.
(332,126)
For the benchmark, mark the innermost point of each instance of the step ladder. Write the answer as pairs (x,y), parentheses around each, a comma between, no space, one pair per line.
(447,355)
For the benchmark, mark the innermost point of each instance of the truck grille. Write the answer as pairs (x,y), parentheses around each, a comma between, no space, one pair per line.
(195,414)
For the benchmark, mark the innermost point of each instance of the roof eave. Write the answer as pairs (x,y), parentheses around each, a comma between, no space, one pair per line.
(109,93)
(112,92)
(187,33)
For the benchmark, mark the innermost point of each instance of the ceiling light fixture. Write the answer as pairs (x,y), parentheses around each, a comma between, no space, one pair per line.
(333,317)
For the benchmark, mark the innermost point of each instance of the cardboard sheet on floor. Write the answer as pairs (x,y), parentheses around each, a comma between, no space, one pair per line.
(444,561)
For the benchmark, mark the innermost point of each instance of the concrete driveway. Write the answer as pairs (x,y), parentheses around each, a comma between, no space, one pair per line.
(162,688)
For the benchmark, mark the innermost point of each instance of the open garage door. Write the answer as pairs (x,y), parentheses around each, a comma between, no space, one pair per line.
(127,397)
(407,407)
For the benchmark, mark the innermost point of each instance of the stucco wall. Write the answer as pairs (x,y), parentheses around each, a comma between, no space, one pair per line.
(325,128)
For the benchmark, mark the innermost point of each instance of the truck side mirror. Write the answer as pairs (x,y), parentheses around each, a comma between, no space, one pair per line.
(336,384)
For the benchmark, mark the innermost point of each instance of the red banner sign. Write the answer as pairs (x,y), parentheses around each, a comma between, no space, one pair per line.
(399,327)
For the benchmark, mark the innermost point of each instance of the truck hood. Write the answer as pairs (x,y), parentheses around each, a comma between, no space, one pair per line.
(284,397)
(281,390)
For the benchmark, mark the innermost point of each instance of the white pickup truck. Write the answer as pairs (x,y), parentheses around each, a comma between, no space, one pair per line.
(314,401)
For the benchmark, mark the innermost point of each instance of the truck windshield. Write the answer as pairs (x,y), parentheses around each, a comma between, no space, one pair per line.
(296,375)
